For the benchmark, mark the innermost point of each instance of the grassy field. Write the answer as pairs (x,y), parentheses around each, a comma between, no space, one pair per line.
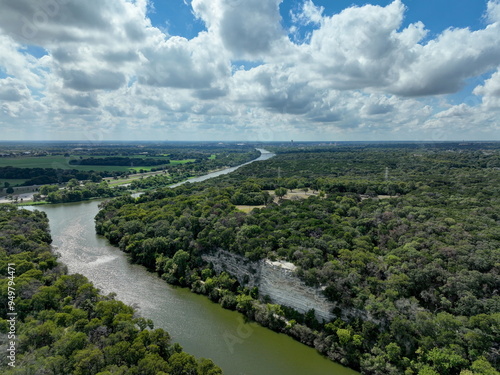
(57,162)
(247,209)
(36,162)
(174,162)
(61,162)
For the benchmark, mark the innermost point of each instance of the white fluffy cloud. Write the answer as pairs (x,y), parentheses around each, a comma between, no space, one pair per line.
(493,11)
(490,92)
(442,65)
(106,69)
(189,64)
(310,13)
(16,63)
(13,90)
(247,28)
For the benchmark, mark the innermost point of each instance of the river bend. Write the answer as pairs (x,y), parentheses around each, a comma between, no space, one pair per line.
(202,327)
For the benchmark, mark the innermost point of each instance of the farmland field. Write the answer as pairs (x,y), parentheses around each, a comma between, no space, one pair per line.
(173,162)
(61,162)
(37,162)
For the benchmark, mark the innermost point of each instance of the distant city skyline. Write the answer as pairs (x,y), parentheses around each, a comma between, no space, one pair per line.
(250,70)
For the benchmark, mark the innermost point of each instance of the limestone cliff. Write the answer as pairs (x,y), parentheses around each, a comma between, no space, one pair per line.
(274,279)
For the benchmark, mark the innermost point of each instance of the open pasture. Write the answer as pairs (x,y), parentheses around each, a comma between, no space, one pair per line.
(62,162)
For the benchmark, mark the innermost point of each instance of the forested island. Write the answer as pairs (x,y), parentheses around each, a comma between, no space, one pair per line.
(63,325)
(401,238)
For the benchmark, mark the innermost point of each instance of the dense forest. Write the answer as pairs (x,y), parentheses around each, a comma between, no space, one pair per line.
(63,324)
(404,240)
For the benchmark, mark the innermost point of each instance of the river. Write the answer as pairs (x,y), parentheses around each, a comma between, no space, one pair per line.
(264,155)
(202,327)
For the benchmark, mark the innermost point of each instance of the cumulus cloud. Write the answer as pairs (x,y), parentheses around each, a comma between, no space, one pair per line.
(81,100)
(181,63)
(356,72)
(13,90)
(310,13)
(94,80)
(16,63)
(461,110)
(493,11)
(443,65)
(377,106)
(363,47)
(273,87)
(490,92)
(356,48)
(463,122)
(64,21)
(247,28)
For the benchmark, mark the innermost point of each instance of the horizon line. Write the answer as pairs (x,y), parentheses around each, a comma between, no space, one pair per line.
(250,141)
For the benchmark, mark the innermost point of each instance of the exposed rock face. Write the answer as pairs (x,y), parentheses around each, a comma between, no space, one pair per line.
(246,271)
(274,279)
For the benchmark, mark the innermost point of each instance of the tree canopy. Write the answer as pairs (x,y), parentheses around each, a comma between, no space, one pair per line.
(404,240)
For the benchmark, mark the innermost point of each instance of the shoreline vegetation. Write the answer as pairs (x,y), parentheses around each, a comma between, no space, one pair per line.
(63,325)
(414,273)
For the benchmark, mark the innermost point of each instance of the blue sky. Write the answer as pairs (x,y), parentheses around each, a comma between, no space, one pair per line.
(246,70)
(177,17)
(437,15)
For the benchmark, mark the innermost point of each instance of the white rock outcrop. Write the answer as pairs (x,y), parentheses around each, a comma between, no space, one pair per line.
(274,279)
